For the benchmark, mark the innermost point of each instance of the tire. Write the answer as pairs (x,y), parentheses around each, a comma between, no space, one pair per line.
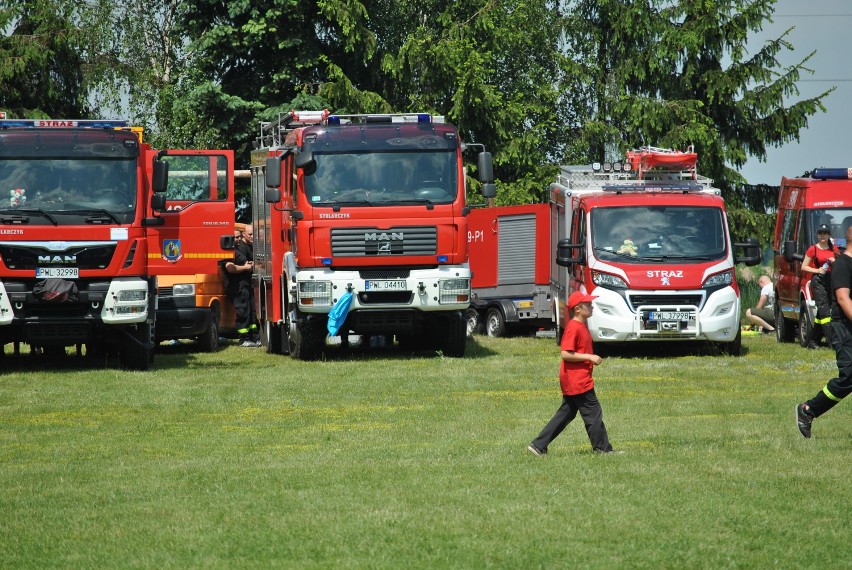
(209,341)
(270,337)
(474,324)
(137,348)
(784,331)
(806,328)
(495,324)
(455,337)
(303,339)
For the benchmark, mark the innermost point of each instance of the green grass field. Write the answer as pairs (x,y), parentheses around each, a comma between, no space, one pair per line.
(377,459)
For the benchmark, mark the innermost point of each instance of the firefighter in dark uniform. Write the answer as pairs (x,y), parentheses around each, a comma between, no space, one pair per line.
(241,290)
(818,262)
(841,340)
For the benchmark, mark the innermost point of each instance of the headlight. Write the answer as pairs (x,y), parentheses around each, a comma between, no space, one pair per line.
(317,293)
(608,281)
(720,279)
(454,291)
(183,290)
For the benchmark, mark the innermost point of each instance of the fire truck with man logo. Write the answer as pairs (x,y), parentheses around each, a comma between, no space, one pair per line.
(649,238)
(86,229)
(366,210)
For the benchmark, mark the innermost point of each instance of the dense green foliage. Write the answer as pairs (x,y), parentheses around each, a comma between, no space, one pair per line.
(380,459)
(539,82)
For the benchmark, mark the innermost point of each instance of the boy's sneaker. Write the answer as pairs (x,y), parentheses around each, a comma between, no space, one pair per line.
(536,451)
(804,419)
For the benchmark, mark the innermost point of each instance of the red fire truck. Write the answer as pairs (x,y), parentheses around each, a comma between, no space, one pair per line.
(367,209)
(804,204)
(87,228)
(653,246)
(510,258)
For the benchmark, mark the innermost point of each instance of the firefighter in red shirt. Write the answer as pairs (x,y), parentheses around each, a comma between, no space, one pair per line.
(575,378)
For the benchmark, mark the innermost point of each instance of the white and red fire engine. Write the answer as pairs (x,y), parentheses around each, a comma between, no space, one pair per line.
(368,208)
(86,228)
(655,249)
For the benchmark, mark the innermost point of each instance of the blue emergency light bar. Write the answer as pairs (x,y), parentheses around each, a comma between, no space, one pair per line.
(832,173)
(390,118)
(62,123)
(653,186)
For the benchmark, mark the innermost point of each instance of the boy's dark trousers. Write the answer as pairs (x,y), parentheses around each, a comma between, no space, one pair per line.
(590,410)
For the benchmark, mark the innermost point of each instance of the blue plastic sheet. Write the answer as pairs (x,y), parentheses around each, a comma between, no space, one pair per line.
(338,313)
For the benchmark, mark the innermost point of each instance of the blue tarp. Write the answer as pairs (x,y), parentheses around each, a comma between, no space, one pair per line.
(338,313)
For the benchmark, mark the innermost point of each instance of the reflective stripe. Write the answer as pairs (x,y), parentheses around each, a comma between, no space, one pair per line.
(242,331)
(830,395)
(253,327)
(822,321)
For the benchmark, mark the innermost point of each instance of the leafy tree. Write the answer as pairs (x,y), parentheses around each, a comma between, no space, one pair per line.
(672,74)
(41,71)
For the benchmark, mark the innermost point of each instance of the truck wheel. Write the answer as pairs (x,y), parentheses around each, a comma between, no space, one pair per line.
(303,341)
(784,331)
(474,324)
(455,339)
(495,324)
(806,328)
(137,348)
(270,337)
(209,340)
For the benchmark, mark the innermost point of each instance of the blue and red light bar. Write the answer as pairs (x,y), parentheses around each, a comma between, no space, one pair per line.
(832,173)
(62,123)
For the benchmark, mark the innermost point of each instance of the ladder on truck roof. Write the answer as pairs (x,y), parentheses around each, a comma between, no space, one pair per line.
(273,133)
(634,175)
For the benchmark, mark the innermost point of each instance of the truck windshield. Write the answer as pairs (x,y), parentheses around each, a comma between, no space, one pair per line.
(837,219)
(658,233)
(383,178)
(69,189)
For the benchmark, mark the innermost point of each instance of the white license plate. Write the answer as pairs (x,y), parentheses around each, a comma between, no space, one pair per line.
(669,316)
(57,273)
(396,285)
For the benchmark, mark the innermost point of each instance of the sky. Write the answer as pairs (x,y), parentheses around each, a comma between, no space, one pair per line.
(822,26)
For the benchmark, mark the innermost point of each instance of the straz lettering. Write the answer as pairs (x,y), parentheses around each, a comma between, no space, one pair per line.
(47,123)
(57,259)
(665,274)
(383,236)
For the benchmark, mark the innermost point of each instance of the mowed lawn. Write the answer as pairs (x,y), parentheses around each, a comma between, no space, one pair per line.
(380,459)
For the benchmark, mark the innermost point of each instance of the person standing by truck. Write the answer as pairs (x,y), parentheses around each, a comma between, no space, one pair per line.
(818,262)
(241,290)
(841,339)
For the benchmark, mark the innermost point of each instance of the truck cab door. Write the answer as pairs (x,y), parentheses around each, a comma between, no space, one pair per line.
(196,230)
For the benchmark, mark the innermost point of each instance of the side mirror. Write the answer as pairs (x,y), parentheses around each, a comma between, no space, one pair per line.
(751,252)
(485,168)
(160,181)
(273,172)
(305,160)
(272,195)
(789,252)
(158,202)
(568,253)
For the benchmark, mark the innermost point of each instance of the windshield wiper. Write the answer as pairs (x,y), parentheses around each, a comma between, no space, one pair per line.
(429,203)
(106,215)
(336,205)
(14,219)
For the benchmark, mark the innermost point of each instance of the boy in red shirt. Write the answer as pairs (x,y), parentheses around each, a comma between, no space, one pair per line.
(575,377)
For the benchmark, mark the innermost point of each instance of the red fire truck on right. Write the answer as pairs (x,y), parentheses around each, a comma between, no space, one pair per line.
(824,197)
